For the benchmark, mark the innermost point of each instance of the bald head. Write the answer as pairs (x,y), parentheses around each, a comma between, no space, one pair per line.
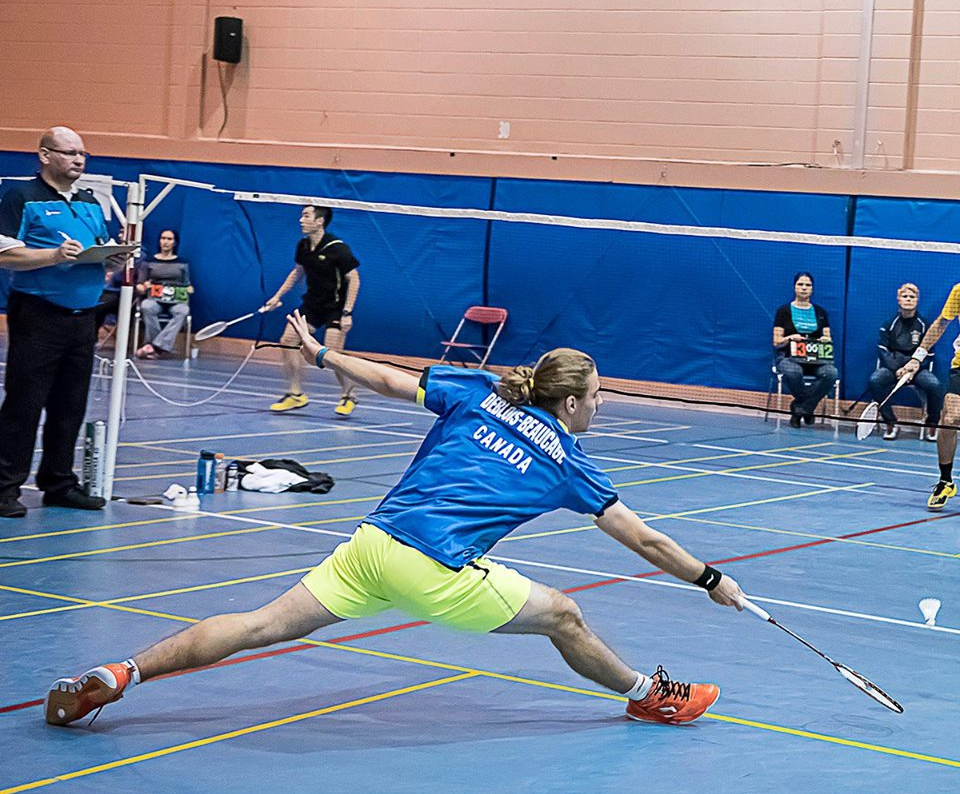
(62,157)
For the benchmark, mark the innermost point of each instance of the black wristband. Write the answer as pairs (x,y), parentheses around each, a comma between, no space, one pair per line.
(709,579)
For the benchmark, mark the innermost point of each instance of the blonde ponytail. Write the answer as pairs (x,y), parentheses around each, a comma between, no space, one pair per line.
(558,374)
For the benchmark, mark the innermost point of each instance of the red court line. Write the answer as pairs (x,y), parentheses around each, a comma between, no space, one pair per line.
(579,588)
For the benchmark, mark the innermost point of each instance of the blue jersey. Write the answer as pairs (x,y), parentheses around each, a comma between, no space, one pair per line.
(485,467)
(40,217)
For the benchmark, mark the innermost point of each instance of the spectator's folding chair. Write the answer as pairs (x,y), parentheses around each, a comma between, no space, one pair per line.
(484,316)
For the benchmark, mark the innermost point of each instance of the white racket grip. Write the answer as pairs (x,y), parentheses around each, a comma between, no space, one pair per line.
(748,605)
(264,308)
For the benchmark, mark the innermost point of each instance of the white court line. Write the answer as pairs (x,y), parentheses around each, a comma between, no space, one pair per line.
(592,434)
(268,395)
(698,590)
(718,473)
(418,436)
(819,460)
(604,574)
(257,521)
(667,429)
(325,429)
(606,422)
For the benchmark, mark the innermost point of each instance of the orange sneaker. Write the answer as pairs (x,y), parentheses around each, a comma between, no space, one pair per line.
(672,702)
(70,699)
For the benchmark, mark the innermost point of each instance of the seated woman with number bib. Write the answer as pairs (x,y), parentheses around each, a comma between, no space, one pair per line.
(803,321)
(163,285)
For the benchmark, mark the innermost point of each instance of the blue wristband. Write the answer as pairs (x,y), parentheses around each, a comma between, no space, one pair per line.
(320,354)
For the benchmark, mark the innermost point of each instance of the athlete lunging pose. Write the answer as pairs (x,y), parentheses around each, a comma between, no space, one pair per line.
(501,452)
(947,438)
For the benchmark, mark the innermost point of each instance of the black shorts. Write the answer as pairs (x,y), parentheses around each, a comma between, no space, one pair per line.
(322,318)
(953,387)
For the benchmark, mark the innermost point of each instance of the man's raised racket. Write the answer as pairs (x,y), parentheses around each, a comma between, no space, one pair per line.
(868,419)
(217,328)
(861,683)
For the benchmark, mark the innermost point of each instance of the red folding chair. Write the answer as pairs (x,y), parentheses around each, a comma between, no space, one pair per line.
(482,315)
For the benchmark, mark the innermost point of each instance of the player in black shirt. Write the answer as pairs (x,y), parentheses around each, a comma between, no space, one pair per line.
(332,286)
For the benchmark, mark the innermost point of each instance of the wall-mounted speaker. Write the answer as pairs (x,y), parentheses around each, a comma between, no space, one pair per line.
(227,39)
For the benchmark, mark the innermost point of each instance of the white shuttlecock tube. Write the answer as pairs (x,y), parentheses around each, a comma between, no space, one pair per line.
(929,607)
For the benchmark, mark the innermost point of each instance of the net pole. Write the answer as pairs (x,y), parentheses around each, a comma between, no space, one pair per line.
(134,232)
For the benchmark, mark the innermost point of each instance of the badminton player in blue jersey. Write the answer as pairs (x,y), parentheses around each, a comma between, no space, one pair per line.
(501,452)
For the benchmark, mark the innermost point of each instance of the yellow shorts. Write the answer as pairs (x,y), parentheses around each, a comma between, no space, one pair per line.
(372,572)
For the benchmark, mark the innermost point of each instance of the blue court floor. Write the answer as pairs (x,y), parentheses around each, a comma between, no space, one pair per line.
(830,535)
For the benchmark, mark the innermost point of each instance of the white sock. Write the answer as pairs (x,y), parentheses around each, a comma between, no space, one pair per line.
(640,689)
(134,672)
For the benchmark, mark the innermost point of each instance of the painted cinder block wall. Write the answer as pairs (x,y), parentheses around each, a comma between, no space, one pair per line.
(614,90)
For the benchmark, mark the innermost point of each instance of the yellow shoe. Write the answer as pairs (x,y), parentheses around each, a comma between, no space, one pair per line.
(345,407)
(290,401)
(941,493)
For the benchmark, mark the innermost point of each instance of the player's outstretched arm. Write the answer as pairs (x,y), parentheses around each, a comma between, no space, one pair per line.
(377,377)
(623,525)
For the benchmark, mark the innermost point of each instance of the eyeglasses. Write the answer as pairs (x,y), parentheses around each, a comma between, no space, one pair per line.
(68,152)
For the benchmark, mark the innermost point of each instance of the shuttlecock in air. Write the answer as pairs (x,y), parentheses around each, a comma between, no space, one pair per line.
(929,608)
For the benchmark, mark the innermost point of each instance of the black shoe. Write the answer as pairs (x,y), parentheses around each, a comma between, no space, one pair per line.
(75,498)
(808,418)
(794,420)
(12,508)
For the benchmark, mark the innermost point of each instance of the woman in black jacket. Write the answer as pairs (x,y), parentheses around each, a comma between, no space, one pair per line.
(799,321)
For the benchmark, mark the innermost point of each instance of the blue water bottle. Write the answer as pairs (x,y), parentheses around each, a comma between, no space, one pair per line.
(206,471)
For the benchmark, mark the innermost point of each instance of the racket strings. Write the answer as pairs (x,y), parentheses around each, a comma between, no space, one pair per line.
(666,688)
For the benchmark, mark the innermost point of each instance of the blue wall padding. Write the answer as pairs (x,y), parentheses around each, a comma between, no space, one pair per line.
(678,309)
(875,275)
(417,274)
(653,307)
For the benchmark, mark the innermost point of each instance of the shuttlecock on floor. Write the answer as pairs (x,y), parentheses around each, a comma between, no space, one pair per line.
(192,501)
(929,608)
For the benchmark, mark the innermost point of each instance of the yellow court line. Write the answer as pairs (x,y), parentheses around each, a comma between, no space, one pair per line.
(129,547)
(264,726)
(98,528)
(702,458)
(754,467)
(853,541)
(192,516)
(610,696)
(170,541)
(717,508)
(470,672)
(300,505)
(260,455)
(822,737)
(84,603)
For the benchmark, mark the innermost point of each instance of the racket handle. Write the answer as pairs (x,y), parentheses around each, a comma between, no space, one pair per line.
(264,308)
(748,605)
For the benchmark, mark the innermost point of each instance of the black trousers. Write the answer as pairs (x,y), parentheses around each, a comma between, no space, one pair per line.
(49,365)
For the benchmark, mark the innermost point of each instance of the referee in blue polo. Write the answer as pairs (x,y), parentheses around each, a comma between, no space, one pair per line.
(51,326)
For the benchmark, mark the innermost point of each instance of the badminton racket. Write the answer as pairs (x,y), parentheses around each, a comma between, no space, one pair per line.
(217,328)
(860,682)
(868,419)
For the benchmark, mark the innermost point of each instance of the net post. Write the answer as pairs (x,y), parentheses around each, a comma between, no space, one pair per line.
(134,231)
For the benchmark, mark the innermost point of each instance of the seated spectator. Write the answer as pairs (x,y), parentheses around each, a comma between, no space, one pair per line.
(899,337)
(110,297)
(164,284)
(798,321)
